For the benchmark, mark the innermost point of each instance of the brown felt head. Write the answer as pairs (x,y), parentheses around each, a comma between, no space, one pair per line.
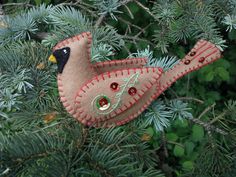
(77,70)
(115,92)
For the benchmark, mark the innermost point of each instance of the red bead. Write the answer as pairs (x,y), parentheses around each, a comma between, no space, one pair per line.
(114,86)
(202,59)
(192,54)
(132,91)
(160,69)
(103,102)
(187,62)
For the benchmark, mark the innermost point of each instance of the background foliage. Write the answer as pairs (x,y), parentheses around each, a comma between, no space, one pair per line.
(188,131)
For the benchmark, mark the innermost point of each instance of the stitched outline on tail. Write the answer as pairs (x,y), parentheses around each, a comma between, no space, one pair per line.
(193,68)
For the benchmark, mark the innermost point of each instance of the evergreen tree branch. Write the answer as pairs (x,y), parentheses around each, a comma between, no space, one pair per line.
(32,144)
(24,4)
(135,39)
(191,99)
(129,11)
(98,168)
(219,116)
(208,126)
(146,9)
(206,110)
(1,11)
(130,24)
(100,19)
(164,143)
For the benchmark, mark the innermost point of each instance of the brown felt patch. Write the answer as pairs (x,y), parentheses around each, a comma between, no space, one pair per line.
(102,67)
(203,53)
(75,72)
(134,111)
(132,85)
(115,92)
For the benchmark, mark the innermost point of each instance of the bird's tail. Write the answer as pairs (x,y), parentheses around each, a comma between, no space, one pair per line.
(202,54)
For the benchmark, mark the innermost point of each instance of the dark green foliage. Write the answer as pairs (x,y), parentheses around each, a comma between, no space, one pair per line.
(182,20)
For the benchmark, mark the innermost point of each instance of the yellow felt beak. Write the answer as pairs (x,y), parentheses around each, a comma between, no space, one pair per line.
(52,59)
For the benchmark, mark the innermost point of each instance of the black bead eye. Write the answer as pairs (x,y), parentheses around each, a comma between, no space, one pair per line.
(65,50)
(62,53)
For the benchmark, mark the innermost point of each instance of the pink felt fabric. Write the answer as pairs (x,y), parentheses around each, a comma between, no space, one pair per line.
(203,49)
(81,83)
(102,67)
(100,85)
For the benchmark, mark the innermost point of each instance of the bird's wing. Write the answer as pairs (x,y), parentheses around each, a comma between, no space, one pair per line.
(107,66)
(202,54)
(111,93)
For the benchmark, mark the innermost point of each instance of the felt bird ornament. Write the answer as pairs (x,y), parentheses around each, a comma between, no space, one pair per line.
(115,92)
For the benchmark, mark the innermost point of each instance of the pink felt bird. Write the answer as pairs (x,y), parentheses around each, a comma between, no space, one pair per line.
(115,92)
